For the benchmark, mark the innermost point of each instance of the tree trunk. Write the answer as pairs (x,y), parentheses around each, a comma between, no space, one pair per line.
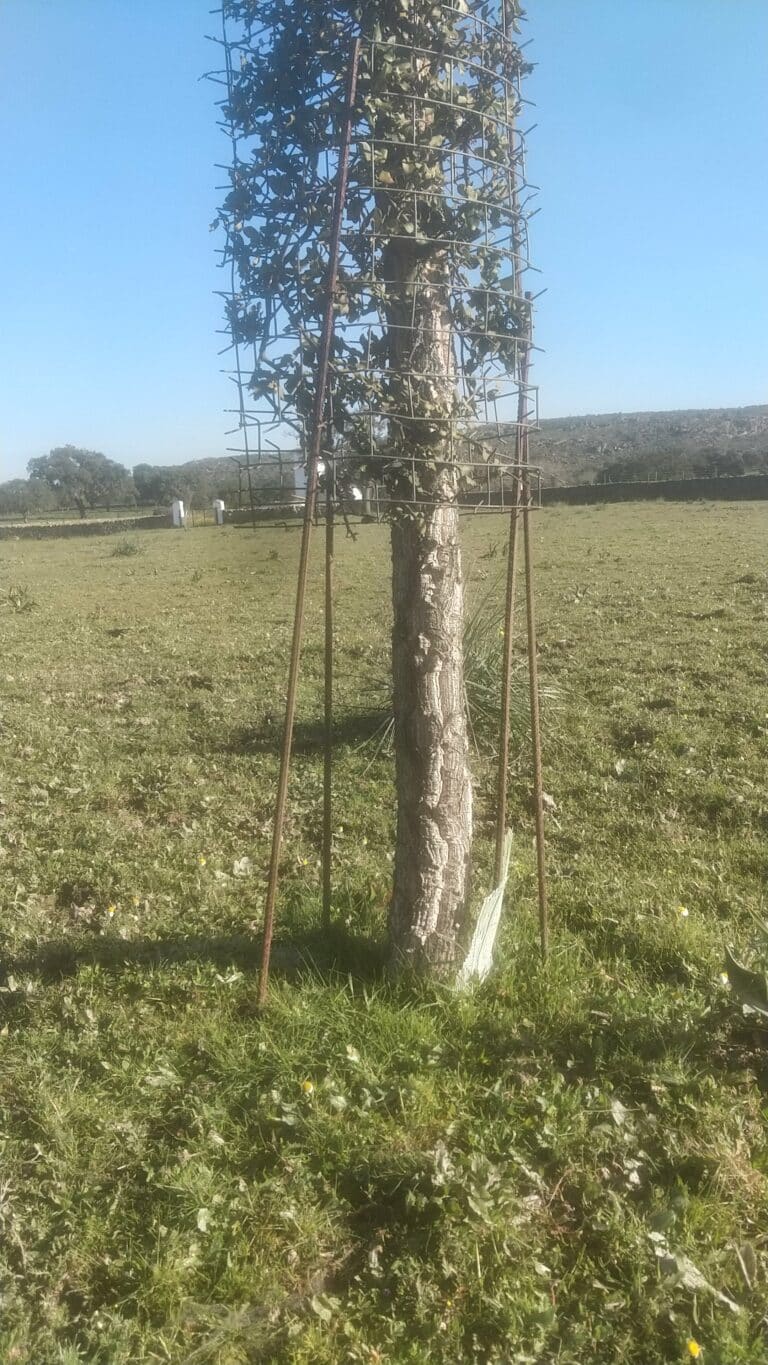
(434,789)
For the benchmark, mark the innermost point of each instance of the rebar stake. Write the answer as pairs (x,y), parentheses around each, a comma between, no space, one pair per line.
(309,513)
(330,530)
(506,677)
(533,684)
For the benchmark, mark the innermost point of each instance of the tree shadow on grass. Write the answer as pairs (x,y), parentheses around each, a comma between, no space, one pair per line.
(353,728)
(326,953)
(628,1052)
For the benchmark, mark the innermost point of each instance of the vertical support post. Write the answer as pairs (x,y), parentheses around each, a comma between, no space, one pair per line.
(522,499)
(243,415)
(250,486)
(533,686)
(506,675)
(330,511)
(310,505)
(521,439)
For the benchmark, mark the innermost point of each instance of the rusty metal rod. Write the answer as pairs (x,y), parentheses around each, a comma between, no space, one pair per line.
(330,531)
(318,411)
(514,518)
(533,684)
(506,676)
(242,419)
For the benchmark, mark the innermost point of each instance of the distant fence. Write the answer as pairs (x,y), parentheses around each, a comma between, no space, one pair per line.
(287,511)
(54,529)
(730,488)
(115,511)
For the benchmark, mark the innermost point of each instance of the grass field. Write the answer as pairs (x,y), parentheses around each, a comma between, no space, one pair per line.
(569,1164)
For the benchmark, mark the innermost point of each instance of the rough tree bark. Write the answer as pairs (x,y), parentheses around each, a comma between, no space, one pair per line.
(434,789)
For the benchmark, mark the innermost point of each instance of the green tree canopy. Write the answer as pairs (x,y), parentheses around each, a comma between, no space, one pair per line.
(154,484)
(20,496)
(428,207)
(82,478)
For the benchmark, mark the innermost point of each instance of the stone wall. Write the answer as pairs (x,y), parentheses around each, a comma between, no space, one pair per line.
(730,489)
(48,530)
(243,517)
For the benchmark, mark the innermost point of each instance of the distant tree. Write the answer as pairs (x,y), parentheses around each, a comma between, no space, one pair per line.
(712,463)
(196,490)
(153,483)
(20,497)
(14,497)
(198,482)
(653,464)
(226,486)
(82,478)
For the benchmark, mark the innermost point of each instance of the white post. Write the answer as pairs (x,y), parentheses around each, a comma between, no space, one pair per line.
(218,511)
(300,486)
(178,515)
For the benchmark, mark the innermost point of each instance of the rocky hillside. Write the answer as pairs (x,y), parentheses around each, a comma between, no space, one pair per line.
(575,449)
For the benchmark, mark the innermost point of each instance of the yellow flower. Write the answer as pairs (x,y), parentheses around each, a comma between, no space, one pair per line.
(111,910)
(201,860)
(307,1088)
(682,911)
(136,900)
(694,1349)
(724,979)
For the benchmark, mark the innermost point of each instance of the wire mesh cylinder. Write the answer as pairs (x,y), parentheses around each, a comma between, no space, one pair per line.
(432,316)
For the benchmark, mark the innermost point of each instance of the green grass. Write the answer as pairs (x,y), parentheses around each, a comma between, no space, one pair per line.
(375,1171)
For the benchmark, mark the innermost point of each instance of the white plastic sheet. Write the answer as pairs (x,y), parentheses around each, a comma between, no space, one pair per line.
(479,959)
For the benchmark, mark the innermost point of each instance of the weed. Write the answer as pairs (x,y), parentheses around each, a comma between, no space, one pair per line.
(483,638)
(127,549)
(19,598)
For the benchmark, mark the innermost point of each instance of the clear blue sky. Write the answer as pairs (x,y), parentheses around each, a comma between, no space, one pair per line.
(651,151)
